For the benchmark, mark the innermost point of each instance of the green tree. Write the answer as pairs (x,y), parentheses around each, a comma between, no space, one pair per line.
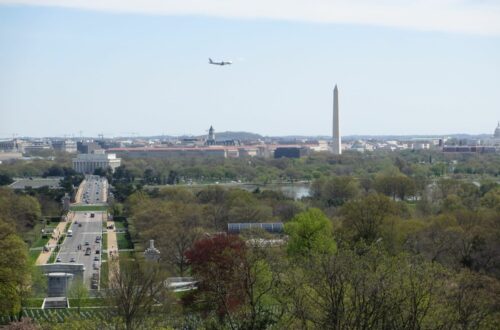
(363,217)
(5,180)
(14,270)
(397,186)
(335,191)
(310,233)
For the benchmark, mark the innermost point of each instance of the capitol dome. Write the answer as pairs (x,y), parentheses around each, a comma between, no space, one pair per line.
(497,132)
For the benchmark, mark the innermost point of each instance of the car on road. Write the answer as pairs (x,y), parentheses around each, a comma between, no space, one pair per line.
(72,260)
(97,251)
(96,258)
(96,265)
(58,259)
(87,243)
(88,251)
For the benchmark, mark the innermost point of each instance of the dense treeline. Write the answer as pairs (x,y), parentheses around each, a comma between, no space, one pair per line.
(404,240)
(389,255)
(416,164)
(18,216)
(36,167)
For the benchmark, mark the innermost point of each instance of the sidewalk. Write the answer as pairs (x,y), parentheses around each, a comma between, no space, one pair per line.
(52,243)
(112,250)
(78,196)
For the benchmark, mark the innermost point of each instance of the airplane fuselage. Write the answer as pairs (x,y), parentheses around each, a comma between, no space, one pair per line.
(219,63)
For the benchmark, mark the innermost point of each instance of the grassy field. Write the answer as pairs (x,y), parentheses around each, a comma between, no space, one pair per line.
(33,255)
(124,241)
(53,255)
(104,275)
(89,302)
(33,302)
(105,241)
(88,207)
(120,225)
(127,255)
(40,242)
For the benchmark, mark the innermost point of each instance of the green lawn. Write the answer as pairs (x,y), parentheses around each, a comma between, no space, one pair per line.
(105,241)
(33,302)
(40,242)
(127,255)
(88,208)
(124,241)
(104,275)
(89,302)
(120,225)
(52,258)
(33,255)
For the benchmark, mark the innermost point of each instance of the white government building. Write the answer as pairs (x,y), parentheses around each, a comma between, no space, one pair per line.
(88,163)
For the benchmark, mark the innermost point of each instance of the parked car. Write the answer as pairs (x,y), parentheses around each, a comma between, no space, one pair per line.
(88,251)
(72,260)
(58,259)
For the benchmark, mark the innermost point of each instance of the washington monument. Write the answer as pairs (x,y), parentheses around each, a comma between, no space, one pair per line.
(336,143)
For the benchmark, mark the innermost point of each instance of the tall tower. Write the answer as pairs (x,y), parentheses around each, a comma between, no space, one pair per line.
(211,136)
(336,143)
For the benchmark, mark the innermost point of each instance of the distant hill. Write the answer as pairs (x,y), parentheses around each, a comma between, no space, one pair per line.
(242,136)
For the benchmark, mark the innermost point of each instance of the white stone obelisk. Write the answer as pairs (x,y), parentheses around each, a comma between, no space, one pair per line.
(336,143)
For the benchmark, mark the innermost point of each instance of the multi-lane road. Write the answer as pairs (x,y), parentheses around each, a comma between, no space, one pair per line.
(94,190)
(86,231)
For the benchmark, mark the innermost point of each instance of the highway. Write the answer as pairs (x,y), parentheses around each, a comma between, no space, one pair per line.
(94,190)
(86,227)
(90,229)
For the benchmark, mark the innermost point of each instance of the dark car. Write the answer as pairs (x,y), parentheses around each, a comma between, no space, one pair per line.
(72,260)
(58,259)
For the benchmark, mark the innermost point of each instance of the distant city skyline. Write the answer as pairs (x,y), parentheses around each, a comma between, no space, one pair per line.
(142,68)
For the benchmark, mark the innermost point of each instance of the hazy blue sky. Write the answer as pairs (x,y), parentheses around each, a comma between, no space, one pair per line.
(118,67)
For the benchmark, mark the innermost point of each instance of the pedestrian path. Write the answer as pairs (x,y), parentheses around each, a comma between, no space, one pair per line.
(52,243)
(113,265)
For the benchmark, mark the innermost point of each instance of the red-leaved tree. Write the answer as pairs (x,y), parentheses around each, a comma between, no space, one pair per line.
(217,262)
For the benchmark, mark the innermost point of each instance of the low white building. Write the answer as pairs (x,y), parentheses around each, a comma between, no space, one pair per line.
(88,163)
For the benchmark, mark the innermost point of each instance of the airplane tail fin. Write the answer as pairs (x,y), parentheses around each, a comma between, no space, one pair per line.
(210,60)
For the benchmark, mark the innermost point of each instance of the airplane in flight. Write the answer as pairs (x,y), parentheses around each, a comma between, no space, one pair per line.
(219,63)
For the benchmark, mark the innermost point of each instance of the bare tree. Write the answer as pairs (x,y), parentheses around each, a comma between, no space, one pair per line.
(138,292)
(78,292)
